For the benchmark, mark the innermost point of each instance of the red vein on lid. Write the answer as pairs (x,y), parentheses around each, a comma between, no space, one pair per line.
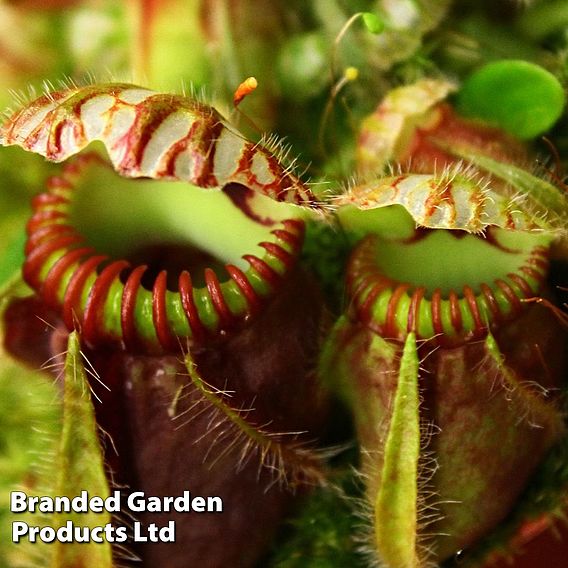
(21,116)
(54,148)
(209,141)
(245,162)
(167,164)
(145,131)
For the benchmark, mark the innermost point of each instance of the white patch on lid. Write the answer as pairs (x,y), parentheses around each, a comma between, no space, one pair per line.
(387,194)
(135,96)
(414,192)
(33,120)
(173,128)
(495,210)
(183,169)
(441,215)
(228,152)
(121,121)
(92,112)
(464,207)
(260,169)
(39,145)
(68,142)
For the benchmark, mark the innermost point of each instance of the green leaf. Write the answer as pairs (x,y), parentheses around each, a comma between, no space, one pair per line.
(72,458)
(396,505)
(80,465)
(520,97)
(28,416)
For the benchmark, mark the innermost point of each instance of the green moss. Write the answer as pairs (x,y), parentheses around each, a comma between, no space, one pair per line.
(325,252)
(322,534)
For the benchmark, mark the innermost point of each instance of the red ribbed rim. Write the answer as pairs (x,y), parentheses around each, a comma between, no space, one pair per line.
(62,269)
(456,317)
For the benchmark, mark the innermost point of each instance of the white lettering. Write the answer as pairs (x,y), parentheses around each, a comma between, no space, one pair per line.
(121,534)
(136,502)
(19,529)
(112,503)
(96,504)
(96,534)
(137,533)
(214,505)
(182,504)
(198,504)
(18,502)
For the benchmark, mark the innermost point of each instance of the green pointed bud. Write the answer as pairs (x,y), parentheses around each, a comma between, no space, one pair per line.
(373,23)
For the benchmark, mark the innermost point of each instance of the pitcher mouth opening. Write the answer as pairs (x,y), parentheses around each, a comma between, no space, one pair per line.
(451,285)
(151,264)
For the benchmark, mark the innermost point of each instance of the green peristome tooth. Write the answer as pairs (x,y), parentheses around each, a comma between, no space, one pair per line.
(80,466)
(396,504)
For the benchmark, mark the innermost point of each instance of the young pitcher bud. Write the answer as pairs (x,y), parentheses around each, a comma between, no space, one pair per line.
(415,125)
